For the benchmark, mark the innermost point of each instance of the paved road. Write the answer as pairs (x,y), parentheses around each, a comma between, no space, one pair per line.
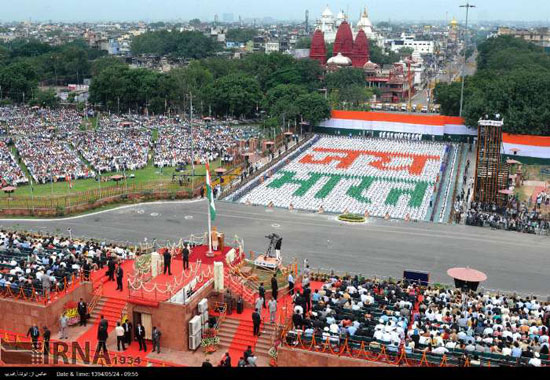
(512,261)
(453,70)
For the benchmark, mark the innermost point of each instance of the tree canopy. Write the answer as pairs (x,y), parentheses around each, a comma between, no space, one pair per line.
(242,35)
(186,44)
(379,56)
(57,65)
(235,94)
(303,43)
(347,89)
(512,79)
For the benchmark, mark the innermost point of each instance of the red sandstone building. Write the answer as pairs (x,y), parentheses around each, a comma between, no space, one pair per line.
(357,51)
(391,81)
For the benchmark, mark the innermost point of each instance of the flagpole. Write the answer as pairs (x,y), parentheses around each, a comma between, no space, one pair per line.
(209,253)
(209,199)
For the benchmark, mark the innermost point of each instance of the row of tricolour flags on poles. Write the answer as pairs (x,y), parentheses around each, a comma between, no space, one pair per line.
(437,125)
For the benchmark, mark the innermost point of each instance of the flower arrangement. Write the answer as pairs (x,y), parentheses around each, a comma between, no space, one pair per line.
(273,354)
(351,218)
(210,340)
(143,263)
(70,309)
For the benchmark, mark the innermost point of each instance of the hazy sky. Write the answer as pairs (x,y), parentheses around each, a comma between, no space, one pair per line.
(157,10)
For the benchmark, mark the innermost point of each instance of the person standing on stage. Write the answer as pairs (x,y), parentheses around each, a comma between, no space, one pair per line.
(46,336)
(186,257)
(111,265)
(119,276)
(156,339)
(256,321)
(127,331)
(63,323)
(34,332)
(140,336)
(274,286)
(119,330)
(167,262)
(261,291)
(272,307)
(82,311)
(307,298)
(290,284)
(102,335)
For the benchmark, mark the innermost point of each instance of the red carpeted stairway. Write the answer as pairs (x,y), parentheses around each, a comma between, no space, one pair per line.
(110,308)
(236,334)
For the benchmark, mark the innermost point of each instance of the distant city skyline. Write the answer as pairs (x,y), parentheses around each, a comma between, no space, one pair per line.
(183,10)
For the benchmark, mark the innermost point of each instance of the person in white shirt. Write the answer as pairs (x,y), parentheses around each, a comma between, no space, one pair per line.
(506,351)
(386,337)
(535,360)
(450,345)
(119,330)
(440,350)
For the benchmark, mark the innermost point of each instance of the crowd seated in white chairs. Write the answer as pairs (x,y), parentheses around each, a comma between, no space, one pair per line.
(51,160)
(209,144)
(400,136)
(379,176)
(35,121)
(10,172)
(111,149)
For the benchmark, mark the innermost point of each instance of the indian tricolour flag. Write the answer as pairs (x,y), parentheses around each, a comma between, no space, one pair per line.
(210,194)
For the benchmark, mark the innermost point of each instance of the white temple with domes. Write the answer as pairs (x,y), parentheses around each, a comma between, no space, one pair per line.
(328,24)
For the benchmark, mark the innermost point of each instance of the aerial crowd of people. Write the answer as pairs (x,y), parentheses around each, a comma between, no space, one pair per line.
(458,322)
(57,145)
(45,264)
(515,216)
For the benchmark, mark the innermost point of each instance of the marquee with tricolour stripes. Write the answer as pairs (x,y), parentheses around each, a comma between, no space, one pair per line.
(526,145)
(437,125)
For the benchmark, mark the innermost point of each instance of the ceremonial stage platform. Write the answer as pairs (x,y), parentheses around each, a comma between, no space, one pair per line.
(162,287)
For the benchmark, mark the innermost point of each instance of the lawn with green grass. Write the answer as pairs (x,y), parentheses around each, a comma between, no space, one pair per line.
(148,175)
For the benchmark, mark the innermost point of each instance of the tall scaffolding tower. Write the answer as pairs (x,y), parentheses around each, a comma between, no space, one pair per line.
(491,173)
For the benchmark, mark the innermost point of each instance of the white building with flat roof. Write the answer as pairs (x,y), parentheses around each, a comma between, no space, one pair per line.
(271,47)
(419,47)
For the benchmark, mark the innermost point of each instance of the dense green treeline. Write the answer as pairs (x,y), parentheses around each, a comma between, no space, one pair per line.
(186,44)
(276,84)
(24,64)
(512,79)
(273,87)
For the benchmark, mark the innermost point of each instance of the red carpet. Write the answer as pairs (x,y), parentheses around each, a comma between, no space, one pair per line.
(111,310)
(199,253)
(244,333)
(243,337)
(158,286)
